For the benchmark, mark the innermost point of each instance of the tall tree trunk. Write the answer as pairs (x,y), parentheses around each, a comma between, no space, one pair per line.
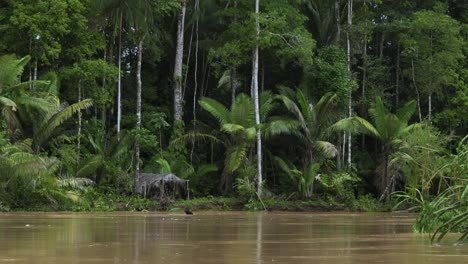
(256,100)
(364,78)
(397,85)
(348,40)
(195,88)
(119,80)
(417,90)
(78,144)
(138,115)
(338,21)
(178,63)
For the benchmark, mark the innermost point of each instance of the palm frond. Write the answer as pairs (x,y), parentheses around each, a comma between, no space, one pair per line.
(355,125)
(89,167)
(379,113)
(242,111)
(57,119)
(218,110)
(205,169)
(294,109)
(305,106)
(8,102)
(196,136)
(232,128)
(235,157)
(280,126)
(326,148)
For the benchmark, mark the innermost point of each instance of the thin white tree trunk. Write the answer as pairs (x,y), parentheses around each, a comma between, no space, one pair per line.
(138,115)
(178,63)
(119,80)
(348,40)
(35,74)
(256,100)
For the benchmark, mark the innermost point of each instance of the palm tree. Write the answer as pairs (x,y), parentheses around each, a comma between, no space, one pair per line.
(387,127)
(41,109)
(313,121)
(14,95)
(304,179)
(240,124)
(102,152)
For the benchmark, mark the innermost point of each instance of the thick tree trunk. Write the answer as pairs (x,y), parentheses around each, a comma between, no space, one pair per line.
(256,101)
(119,80)
(178,64)
(138,115)
(348,40)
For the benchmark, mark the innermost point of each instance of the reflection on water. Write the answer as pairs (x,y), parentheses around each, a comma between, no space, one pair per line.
(218,238)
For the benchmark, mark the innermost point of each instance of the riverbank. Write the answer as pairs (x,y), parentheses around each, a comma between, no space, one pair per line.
(99,201)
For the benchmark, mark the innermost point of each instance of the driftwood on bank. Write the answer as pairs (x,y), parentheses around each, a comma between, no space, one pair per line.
(152,183)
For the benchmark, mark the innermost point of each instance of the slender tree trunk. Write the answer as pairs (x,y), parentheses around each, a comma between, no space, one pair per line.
(430,107)
(119,80)
(385,183)
(78,144)
(138,115)
(30,68)
(338,21)
(397,86)
(256,100)
(195,89)
(178,63)
(417,90)
(364,78)
(35,75)
(382,41)
(233,84)
(350,102)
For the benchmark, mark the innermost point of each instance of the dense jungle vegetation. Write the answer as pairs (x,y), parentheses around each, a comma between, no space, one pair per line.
(346,103)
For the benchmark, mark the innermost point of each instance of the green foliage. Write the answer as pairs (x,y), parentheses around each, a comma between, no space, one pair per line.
(329,74)
(433,41)
(303,180)
(446,213)
(340,184)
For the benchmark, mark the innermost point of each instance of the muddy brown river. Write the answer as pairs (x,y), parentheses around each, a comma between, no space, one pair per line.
(212,237)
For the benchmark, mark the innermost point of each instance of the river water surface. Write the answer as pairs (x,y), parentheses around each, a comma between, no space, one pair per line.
(211,237)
